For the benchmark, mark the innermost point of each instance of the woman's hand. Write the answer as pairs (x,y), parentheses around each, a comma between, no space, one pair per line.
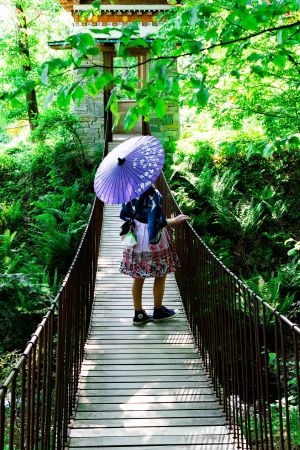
(178,219)
(181,218)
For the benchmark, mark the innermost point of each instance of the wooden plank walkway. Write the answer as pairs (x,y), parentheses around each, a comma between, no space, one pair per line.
(141,387)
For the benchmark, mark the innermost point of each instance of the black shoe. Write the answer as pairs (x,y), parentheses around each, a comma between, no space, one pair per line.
(163,313)
(141,317)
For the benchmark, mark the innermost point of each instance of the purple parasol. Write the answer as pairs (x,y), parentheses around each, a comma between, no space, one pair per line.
(129,170)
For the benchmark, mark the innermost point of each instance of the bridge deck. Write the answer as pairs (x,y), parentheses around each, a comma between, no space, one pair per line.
(141,387)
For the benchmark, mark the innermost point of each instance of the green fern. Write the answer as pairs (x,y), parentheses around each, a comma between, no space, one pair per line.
(13,214)
(270,291)
(205,181)
(224,185)
(55,248)
(202,220)
(249,216)
(222,197)
(9,260)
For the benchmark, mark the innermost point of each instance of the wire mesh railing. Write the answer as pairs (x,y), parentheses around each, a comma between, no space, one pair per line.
(37,399)
(250,351)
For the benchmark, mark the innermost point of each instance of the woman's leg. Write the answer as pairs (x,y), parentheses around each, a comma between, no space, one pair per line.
(137,291)
(161,312)
(158,290)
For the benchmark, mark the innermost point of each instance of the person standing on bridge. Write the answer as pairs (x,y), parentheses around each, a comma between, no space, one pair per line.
(126,175)
(152,253)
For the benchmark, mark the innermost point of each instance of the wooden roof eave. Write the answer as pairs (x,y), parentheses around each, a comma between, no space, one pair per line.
(104,44)
(125,8)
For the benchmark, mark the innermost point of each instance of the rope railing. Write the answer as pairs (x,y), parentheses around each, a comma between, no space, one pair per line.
(38,398)
(250,351)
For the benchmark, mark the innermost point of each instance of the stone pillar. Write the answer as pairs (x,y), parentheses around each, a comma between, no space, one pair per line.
(91,114)
(168,128)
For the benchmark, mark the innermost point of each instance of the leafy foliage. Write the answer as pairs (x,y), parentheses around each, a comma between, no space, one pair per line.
(237,79)
(46,190)
(245,218)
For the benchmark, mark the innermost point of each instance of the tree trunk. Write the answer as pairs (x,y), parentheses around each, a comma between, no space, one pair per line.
(23,45)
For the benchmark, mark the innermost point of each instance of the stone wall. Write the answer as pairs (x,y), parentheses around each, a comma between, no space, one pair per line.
(168,128)
(91,113)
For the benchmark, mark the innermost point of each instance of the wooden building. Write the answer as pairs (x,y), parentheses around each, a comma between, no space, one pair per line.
(117,14)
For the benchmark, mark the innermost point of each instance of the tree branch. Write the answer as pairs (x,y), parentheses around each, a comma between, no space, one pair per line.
(264,113)
(294,62)
(218,44)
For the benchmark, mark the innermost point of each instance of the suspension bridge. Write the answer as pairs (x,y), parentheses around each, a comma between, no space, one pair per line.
(88,379)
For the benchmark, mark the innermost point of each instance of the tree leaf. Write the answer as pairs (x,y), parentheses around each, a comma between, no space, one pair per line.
(44,75)
(93,51)
(258,70)
(294,140)
(103,81)
(160,108)
(249,23)
(81,42)
(202,97)
(78,95)
(268,150)
(236,74)
(91,89)
(279,60)
(255,56)
(131,118)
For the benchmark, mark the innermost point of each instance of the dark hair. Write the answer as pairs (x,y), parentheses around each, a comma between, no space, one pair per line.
(149,191)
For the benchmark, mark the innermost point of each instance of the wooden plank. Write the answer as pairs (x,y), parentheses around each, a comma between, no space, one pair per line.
(139,379)
(149,372)
(173,413)
(126,325)
(116,321)
(160,432)
(140,407)
(130,329)
(147,398)
(108,337)
(187,351)
(146,423)
(139,347)
(144,365)
(201,446)
(127,334)
(140,360)
(138,392)
(123,301)
(120,319)
(144,333)
(134,385)
(126,314)
(113,340)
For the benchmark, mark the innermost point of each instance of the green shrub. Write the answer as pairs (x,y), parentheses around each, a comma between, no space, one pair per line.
(46,194)
(23,299)
(245,206)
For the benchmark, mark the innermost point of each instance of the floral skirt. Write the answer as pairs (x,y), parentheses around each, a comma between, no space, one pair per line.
(146,260)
